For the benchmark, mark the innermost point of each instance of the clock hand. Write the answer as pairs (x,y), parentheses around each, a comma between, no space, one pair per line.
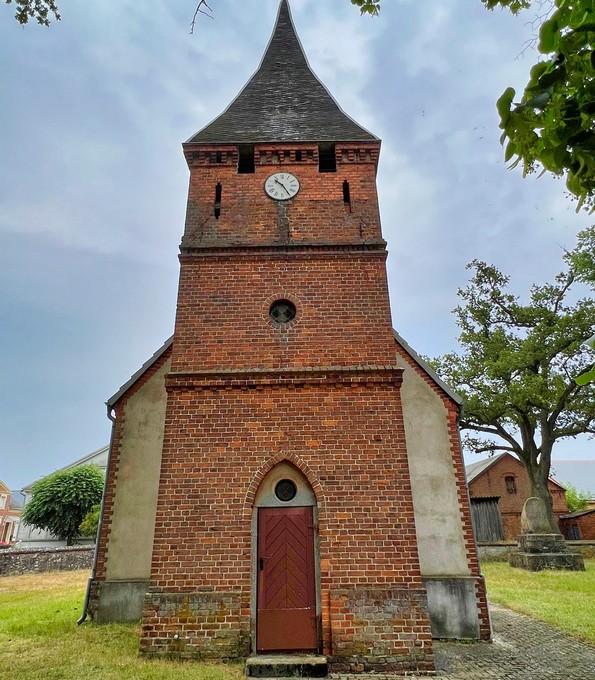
(283,185)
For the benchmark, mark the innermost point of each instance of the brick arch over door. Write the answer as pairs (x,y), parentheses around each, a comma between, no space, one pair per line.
(286,586)
(273,461)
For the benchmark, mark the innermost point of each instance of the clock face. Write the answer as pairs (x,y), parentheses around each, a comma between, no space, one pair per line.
(281,186)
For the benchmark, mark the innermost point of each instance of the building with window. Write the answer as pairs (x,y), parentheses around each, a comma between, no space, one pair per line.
(31,537)
(498,488)
(10,515)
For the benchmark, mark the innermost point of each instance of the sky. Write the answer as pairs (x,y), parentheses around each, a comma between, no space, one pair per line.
(93,183)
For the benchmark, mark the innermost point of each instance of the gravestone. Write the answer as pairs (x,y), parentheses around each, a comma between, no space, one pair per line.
(539,548)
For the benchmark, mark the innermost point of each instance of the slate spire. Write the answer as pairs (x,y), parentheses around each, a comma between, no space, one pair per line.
(283,101)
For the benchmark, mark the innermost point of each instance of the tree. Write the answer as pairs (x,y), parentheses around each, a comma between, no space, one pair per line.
(583,262)
(90,523)
(552,128)
(42,10)
(516,369)
(60,501)
(577,500)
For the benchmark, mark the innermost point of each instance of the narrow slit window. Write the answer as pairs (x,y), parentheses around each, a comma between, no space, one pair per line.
(217,205)
(346,194)
(298,155)
(246,160)
(218,157)
(327,161)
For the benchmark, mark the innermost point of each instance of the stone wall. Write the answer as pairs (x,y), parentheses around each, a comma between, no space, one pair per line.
(28,561)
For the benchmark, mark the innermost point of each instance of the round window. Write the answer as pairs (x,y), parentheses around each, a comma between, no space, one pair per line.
(285,490)
(282,311)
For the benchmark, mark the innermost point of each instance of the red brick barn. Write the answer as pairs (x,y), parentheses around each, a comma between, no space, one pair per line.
(499,487)
(579,525)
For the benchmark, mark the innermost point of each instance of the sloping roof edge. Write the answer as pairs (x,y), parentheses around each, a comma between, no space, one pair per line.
(193,140)
(133,378)
(474,470)
(577,513)
(430,371)
(76,463)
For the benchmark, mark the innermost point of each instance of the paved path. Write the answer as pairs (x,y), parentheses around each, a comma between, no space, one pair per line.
(522,649)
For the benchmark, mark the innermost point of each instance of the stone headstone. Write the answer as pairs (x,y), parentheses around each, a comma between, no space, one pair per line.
(534,517)
(539,547)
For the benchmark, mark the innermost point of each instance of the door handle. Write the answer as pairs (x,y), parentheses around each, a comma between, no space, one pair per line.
(261,563)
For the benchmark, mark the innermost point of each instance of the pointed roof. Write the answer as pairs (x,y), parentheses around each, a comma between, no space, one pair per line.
(283,101)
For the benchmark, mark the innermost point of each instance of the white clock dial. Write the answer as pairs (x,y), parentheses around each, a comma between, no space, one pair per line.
(281,186)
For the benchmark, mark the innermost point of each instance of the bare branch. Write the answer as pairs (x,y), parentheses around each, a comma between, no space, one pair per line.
(199,10)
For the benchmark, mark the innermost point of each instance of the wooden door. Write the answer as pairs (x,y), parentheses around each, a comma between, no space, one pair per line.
(286,617)
(486,520)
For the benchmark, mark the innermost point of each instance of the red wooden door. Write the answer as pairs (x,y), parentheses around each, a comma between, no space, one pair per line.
(286,618)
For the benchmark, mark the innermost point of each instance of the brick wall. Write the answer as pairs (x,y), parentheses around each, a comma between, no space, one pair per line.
(347,430)
(492,482)
(247,216)
(584,523)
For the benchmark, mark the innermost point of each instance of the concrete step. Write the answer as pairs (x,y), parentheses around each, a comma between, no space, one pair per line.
(287,666)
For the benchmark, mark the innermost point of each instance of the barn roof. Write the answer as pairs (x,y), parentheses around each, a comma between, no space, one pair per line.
(474,470)
(578,513)
(283,100)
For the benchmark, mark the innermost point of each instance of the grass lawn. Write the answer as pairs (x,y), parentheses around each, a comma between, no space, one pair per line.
(564,599)
(39,638)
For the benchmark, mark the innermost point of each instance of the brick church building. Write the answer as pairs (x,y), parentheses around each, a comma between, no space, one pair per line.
(285,473)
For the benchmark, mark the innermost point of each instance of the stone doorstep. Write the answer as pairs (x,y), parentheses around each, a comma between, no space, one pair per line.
(287,666)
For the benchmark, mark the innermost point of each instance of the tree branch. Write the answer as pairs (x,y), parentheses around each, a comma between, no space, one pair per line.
(199,10)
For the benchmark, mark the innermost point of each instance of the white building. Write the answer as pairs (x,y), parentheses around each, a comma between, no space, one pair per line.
(30,537)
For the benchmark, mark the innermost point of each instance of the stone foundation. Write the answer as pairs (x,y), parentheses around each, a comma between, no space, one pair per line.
(545,551)
(120,601)
(380,630)
(204,626)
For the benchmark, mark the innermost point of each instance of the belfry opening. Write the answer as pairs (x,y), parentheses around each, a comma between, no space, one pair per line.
(285,472)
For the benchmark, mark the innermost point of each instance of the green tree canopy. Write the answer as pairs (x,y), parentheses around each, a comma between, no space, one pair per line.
(90,523)
(60,501)
(577,500)
(42,11)
(552,127)
(516,367)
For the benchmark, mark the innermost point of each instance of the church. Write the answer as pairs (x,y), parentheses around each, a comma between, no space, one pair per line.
(285,473)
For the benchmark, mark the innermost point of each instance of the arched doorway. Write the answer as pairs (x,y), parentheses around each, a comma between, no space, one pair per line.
(285,593)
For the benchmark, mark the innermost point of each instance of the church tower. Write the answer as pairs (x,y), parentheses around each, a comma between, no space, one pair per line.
(266,443)
(285,510)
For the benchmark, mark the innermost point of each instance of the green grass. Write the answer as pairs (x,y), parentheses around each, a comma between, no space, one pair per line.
(563,599)
(40,640)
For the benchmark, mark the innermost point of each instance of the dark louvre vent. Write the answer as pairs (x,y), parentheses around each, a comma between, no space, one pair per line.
(327,161)
(346,194)
(217,207)
(246,161)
